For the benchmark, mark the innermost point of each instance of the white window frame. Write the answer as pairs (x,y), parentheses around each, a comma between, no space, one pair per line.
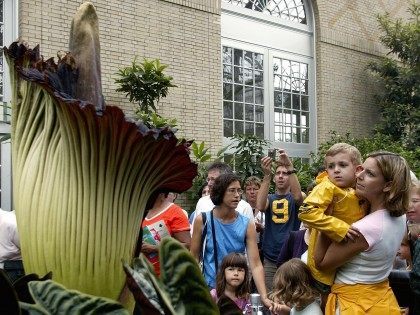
(274,37)
(10,33)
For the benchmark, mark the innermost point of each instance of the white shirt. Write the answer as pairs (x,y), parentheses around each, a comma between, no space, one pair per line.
(311,309)
(9,239)
(205,204)
(383,233)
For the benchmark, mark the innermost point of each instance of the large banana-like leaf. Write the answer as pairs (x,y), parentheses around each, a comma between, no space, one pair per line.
(53,298)
(82,172)
(181,288)
(183,280)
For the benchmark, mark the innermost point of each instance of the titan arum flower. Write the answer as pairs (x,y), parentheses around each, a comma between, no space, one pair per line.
(82,172)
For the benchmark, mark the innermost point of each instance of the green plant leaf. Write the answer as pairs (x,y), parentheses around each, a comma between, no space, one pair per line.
(146,287)
(183,280)
(52,298)
(22,289)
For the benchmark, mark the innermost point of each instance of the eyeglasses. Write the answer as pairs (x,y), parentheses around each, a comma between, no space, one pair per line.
(233,191)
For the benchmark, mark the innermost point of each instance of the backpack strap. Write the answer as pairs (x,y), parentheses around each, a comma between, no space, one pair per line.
(204,232)
(203,239)
(216,263)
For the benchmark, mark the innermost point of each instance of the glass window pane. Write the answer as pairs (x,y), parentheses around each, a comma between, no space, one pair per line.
(248,77)
(238,75)
(227,110)
(227,73)
(296,135)
(259,96)
(227,128)
(227,55)
(248,59)
(295,85)
(227,91)
(305,135)
(239,127)
(278,133)
(249,112)
(259,130)
(239,93)
(294,69)
(285,67)
(249,128)
(239,111)
(277,82)
(287,100)
(290,10)
(249,94)
(238,57)
(287,117)
(304,102)
(278,118)
(295,118)
(243,83)
(259,78)
(286,83)
(303,71)
(277,99)
(304,120)
(258,61)
(259,113)
(304,86)
(295,101)
(276,66)
(287,134)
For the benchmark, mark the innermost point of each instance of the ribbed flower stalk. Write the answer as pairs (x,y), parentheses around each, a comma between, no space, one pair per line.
(82,173)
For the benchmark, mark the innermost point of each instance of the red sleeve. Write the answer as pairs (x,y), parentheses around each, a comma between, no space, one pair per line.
(177,219)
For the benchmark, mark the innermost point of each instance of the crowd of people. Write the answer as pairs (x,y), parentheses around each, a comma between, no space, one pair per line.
(334,249)
(329,250)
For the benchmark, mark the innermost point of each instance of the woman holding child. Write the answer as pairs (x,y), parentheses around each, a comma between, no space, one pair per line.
(361,285)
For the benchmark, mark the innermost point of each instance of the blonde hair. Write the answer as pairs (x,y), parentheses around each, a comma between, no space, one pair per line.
(342,147)
(252,180)
(294,285)
(415,187)
(395,171)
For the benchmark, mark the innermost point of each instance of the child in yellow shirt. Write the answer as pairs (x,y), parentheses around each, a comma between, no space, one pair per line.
(332,206)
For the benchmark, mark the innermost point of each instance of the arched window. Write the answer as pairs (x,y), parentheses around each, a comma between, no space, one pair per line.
(286,9)
(268,72)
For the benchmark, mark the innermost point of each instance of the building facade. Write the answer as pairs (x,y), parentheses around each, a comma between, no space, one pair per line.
(287,70)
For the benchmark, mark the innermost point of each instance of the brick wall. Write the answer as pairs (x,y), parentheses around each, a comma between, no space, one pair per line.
(347,38)
(184,34)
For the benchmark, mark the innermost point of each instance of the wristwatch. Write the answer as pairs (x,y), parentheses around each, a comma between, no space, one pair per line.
(293,171)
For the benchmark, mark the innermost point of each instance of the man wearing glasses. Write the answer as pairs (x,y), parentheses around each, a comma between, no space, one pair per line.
(205,204)
(281,209)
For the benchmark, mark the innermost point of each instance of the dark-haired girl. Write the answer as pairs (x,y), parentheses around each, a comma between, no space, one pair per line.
(233,281)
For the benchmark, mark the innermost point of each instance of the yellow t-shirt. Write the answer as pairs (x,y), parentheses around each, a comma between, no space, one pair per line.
(346,210)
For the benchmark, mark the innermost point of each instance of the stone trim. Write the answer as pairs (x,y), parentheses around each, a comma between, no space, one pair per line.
(351,42)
